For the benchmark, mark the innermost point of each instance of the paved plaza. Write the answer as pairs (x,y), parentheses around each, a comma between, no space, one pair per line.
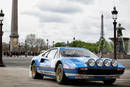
(16,74)
(25,61)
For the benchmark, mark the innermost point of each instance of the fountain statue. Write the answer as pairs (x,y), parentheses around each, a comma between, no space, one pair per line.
(121,46)
(128,51)
(120,41)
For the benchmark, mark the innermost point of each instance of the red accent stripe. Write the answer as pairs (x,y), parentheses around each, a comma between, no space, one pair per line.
(47,67)
(54,68)
(68,69)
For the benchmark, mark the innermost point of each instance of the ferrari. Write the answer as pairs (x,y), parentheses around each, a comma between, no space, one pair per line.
(63,63)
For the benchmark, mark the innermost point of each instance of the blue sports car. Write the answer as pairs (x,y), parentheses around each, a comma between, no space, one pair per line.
(65,63)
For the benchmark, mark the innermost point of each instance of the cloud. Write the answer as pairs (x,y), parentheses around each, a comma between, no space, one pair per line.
(47,17)
(83,1)
(58,6)
(52,18)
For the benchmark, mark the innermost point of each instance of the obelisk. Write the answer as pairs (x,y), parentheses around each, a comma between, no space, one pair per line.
(14,27)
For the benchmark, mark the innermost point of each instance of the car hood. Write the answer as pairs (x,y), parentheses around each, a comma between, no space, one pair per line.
(76,61)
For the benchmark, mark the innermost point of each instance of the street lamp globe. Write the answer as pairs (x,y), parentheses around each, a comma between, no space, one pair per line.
(114,14)
(47,40)
(1,16)
(74,38)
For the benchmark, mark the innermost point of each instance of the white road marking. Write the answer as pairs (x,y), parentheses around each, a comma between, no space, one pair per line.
(123,79)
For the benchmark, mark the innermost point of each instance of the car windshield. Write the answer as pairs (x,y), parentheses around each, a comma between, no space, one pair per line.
(77,53)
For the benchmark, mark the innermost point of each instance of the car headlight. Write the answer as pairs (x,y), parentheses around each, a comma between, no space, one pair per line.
(114,63)
(99,62)
(107,62)
(91,62)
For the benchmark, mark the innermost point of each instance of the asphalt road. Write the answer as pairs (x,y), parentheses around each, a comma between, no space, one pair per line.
(19,77)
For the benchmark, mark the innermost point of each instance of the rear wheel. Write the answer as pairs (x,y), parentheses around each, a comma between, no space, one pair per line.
(109,82)
(60,76)
(35,74)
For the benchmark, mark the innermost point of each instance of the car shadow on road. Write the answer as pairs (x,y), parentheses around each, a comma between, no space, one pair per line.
(82,83)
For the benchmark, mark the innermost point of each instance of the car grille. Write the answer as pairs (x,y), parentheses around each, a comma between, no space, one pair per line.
(101,71)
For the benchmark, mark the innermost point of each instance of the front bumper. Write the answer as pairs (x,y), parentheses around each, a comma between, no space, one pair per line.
(101,71)
(91,77)
(95,74)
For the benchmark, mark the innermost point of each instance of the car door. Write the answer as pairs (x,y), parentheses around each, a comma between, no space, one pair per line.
(46,60)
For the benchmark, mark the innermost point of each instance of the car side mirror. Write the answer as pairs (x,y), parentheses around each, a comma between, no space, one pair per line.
(42,60)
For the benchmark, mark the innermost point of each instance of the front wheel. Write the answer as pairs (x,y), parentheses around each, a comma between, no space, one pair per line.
(60,76)
(35,74)
(109,82)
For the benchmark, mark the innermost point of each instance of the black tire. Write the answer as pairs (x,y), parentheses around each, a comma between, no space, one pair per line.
(60,75)
(109,82)
(35,74)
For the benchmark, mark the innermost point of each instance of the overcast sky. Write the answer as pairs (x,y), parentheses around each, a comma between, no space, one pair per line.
(61,20)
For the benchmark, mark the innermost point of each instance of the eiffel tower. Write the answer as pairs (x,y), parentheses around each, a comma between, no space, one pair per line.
(14,27)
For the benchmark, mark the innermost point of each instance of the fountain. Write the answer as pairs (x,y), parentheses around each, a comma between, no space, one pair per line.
(128,51)
(121,43)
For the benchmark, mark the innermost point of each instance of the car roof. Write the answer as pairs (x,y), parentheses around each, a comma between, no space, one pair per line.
(62,48)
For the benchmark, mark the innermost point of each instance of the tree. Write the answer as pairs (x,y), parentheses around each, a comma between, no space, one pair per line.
(35,44)
(40,43)
(31,40)
(77,43)
(60,44)
(107,46)
(5,47)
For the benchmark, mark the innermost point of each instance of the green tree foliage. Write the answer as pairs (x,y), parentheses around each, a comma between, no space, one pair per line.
(94,47)
(106,46)
(91,46)
(60,44)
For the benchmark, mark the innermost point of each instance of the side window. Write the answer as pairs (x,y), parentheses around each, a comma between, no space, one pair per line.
(56,55)
(52,53)
(45,54)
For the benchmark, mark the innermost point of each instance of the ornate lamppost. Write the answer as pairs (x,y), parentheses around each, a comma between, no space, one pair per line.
(67,43)
(9,46)
(47,43)
(19,49)
(73,38)
(114,13)
(26,48)
(53,43)
(1,33)
(74,45)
